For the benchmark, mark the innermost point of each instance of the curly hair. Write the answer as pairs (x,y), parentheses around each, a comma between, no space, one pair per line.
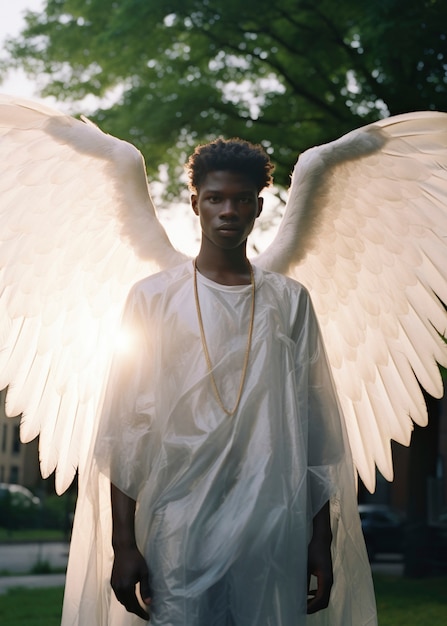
(235,155)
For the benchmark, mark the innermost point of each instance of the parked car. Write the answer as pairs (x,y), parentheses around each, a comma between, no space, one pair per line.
(383,529)
(19,507)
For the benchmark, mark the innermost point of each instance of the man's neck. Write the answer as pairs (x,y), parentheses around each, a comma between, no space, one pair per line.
(227,267)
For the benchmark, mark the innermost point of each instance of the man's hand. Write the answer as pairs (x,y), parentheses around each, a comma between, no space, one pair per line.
(130,568)
(319,562)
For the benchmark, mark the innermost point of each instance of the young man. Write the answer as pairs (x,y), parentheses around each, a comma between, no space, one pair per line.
(222,436)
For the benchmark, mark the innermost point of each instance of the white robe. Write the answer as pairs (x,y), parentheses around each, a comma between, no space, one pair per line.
(225,504)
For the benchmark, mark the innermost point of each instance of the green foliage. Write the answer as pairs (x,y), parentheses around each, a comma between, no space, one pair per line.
(53,513)
(58,511)
(288,74)
(41,567)
(35,534)
(18,509)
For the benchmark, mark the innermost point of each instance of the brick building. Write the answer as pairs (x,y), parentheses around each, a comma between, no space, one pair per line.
(19,463)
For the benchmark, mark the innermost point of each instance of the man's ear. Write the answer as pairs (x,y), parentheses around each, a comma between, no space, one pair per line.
(260,205)
(194,200)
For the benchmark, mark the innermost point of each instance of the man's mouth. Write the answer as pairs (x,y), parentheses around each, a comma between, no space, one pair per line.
(228,227)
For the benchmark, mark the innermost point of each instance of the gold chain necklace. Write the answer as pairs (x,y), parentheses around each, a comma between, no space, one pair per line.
(205,346)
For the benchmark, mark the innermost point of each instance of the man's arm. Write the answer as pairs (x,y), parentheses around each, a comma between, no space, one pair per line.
(319,561)
(129,566)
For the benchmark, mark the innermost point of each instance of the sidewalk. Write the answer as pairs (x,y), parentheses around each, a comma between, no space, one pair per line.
(39,581)
(389,564)
(18,560)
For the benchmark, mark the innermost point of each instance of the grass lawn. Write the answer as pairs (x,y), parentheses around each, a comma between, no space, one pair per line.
(31,607)
(411,602)
(400,602)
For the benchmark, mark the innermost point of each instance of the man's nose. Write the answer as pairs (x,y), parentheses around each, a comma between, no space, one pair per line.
(229,209)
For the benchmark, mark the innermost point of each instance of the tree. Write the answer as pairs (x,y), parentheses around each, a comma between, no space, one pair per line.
(288,74)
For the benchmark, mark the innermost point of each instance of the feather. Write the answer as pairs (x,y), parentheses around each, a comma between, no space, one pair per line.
(365,230)
(78,229)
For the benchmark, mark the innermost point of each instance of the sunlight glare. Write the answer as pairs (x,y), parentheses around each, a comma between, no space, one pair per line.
(124,341)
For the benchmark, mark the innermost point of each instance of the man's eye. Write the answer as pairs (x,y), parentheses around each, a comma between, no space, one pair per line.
(214,199)
(245,200)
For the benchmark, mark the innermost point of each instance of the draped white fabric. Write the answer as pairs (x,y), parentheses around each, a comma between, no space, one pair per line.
(224,503)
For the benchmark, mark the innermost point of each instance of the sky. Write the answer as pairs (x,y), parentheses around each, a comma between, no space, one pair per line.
(182,230)
(11,22)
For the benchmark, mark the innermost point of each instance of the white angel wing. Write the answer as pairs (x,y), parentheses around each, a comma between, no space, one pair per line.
(77,229)
(365,230)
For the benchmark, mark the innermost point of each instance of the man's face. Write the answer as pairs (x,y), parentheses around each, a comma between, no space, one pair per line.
(227,204)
